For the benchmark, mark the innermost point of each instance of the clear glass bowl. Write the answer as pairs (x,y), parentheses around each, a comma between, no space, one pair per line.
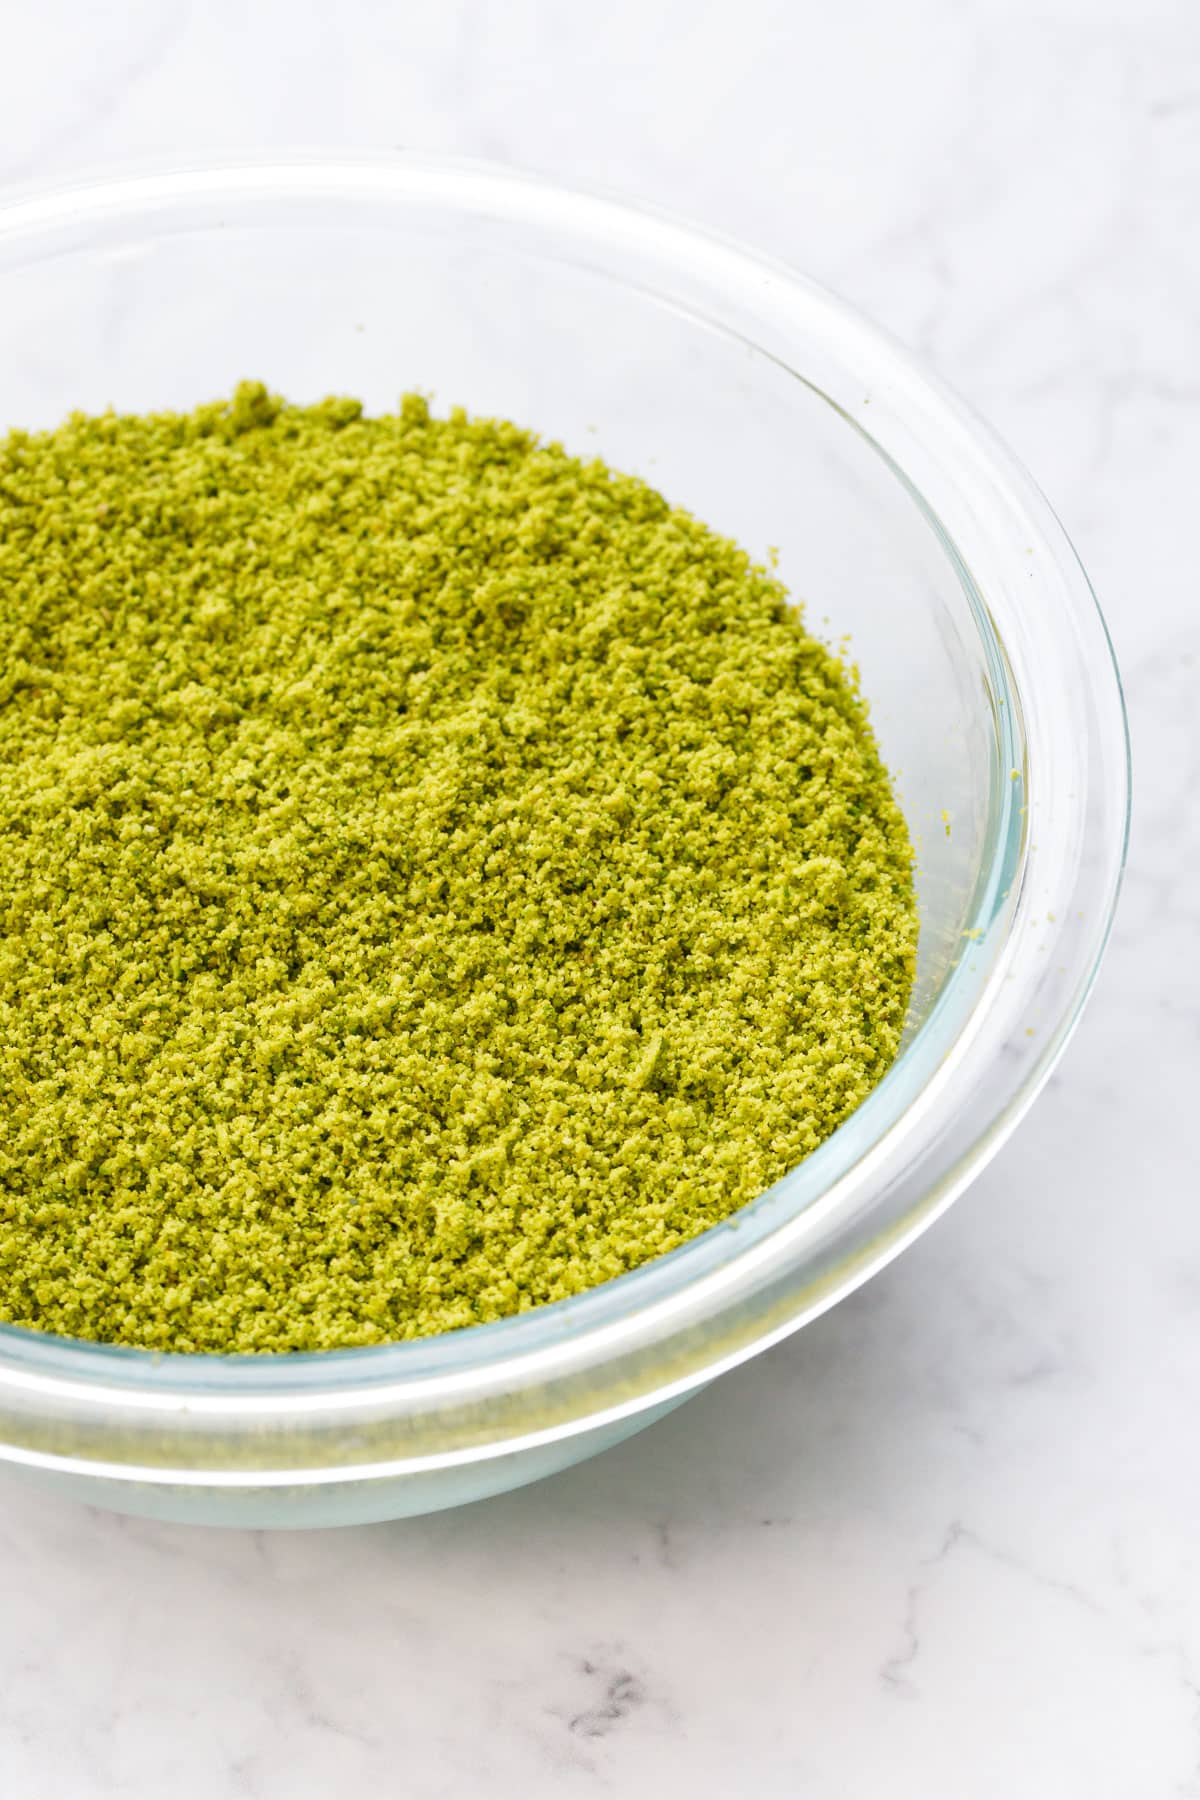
(765,405)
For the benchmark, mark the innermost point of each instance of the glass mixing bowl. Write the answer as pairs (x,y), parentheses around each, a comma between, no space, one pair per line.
(762,403)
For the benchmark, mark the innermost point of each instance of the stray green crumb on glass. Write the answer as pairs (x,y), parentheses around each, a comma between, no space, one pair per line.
(436,875)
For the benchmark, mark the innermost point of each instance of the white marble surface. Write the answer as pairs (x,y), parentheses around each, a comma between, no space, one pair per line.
(946,1543)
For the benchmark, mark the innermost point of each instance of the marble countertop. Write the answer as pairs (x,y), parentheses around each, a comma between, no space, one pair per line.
(946,1542)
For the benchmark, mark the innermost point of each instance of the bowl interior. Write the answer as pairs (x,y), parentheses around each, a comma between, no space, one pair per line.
(142,313)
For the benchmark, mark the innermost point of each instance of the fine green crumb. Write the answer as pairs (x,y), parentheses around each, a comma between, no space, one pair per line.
(436,875)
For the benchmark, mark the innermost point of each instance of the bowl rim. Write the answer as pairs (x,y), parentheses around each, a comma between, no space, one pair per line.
(587,1327)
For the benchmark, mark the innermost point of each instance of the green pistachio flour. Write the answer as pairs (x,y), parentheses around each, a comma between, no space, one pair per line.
(436,875)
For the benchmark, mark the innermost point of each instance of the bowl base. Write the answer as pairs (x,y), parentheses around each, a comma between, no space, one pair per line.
(327,1504)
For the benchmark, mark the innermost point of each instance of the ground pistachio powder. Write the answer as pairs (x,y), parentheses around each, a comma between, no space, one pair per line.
(436,875)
